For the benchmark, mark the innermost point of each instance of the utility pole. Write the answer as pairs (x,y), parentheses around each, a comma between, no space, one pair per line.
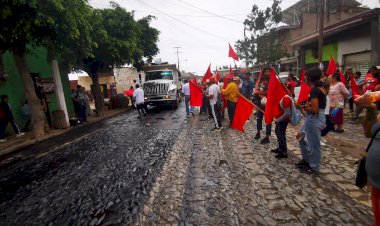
(177,52)
(246,51)
(320,39)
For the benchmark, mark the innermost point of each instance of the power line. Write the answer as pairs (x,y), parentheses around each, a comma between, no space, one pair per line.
(214,14)
(182,22)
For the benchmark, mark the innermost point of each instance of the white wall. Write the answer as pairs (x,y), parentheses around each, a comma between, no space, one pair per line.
(353,44)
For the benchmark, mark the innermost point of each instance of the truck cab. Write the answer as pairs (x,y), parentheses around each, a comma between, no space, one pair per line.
(161,85)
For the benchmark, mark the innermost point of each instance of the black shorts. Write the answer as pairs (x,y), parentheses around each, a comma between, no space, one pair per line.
(140,106)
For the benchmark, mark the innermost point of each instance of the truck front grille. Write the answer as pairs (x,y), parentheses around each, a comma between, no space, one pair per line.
(155,88)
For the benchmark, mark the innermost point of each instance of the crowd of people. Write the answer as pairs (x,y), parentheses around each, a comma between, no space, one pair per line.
(323,112)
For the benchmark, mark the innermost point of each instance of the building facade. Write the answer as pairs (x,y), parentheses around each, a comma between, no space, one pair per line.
(38,65)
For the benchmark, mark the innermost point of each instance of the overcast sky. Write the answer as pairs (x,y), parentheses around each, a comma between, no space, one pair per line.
(203,38)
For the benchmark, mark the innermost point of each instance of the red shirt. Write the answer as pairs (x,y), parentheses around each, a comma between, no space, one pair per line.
(129,92)
(291,84)
(286,103)
(371,87)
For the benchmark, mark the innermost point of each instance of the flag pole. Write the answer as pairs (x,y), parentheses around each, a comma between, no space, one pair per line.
(251,103)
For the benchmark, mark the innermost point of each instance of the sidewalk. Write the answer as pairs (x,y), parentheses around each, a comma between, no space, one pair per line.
(15,143)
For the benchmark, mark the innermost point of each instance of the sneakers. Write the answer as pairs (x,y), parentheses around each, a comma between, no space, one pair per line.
(3,140)
(323,140)
(216,129)
(257,136)
(275,150)
(20,134)
(302,163)
(281,155)
(265,141)
(308,170)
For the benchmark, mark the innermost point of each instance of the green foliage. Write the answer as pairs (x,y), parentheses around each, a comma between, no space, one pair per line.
(85,38)
(120,40)
(62,25)
(148,37)
(262,46)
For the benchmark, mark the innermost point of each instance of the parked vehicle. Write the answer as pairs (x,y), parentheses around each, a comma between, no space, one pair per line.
(161,85)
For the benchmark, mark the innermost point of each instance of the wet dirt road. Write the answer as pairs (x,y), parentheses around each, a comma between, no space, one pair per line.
(98,175)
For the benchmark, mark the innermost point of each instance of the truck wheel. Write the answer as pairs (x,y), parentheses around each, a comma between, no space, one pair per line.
(175,104)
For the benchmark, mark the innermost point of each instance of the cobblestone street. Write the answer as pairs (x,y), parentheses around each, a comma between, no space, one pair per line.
(166,170)
(227,178)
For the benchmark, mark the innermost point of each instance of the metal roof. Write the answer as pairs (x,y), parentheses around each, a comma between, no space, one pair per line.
(291,15)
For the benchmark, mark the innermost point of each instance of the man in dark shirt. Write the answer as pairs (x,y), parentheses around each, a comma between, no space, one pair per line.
(260,100)
(247,87)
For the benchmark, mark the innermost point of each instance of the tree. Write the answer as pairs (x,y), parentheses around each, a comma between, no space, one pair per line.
(37,23)
(261,46)
(120,40)
(70,37)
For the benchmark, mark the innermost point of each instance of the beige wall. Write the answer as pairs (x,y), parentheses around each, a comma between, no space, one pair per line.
(86,81)
(124,78)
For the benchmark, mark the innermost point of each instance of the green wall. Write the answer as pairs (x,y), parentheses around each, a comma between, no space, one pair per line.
(328,50)
(13,87)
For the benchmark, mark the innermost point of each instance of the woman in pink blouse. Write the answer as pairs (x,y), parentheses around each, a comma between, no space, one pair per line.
(337,94)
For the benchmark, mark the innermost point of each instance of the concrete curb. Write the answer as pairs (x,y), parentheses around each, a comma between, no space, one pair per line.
(31,141)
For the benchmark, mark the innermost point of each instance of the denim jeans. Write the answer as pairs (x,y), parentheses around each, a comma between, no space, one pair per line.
(217,114)
(281,135)
(329,126)
(231,106)
(188,107)
(310,144)
(259,120)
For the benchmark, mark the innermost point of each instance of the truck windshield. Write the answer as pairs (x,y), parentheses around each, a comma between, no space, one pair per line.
(153,75)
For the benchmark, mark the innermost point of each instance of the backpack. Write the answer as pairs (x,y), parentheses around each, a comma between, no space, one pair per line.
(296,115)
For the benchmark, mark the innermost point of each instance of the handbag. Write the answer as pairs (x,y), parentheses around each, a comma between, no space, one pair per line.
(361,173)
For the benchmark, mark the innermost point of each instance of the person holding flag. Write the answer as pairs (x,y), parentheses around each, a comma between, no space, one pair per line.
(310,133)
(231,93)
(216,105)
(186,93)
(259,99)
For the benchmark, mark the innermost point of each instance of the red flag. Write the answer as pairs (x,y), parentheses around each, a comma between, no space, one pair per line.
(304,93)
(332,67)
(302,76)
(196,94)
(217,76)
(342,78)
(354,87)
(208,74)
(305,89)
(275,92)
(243,110)
(232,53)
